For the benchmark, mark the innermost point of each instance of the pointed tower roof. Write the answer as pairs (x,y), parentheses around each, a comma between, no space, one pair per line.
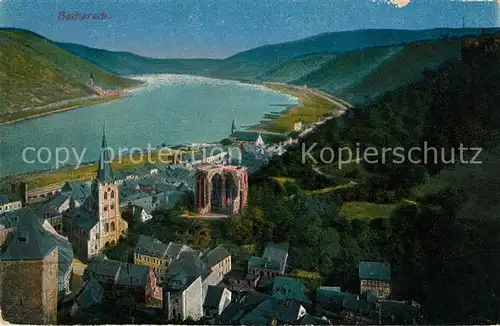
(104,172)
(233,127)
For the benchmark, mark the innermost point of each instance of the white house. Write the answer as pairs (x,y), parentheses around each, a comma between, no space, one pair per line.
(9,203)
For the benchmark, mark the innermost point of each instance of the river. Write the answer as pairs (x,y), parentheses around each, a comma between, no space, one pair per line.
(168,109)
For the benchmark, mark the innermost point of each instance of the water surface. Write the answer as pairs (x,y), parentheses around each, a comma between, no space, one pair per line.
(170,109)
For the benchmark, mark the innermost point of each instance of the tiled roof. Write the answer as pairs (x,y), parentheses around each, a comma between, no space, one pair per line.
(152,247)
(287,288)
(77,190)
(374,271)
(91,294)
(8,198)
(277,252)
(273,309)
(213,297)
(312,320)
(184,270)
(31,241)
(398,311)
(84,220)
(240,305)
(216,255)
(120,272)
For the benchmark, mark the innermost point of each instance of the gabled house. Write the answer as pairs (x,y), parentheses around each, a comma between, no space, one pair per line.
(121,280)
(272,263)
(91,296)
(375,277)
(273,310)
(287,288)
(188,279)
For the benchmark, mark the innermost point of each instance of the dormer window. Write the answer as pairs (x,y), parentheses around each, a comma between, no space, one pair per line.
(22,239)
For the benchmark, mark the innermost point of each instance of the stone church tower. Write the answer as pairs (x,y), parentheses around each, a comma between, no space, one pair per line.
(98,221)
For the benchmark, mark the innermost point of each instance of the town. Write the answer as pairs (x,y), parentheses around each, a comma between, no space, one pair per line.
(55,238)
(250,208)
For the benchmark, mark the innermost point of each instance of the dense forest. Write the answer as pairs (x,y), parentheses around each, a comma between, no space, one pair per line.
(442,238)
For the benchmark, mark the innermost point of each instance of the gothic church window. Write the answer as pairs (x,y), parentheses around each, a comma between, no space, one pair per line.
(112,194)
(105,195)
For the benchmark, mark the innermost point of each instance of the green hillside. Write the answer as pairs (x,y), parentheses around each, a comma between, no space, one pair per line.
(370,72)
(125,63)
(297,68)
(265,60)
(34,72)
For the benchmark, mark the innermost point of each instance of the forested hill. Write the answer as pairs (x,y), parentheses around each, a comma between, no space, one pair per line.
(437,223)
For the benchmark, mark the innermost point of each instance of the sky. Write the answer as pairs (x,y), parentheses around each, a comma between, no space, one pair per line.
(221,28)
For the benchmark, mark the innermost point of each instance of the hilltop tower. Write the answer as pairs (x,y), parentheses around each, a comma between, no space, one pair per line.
(91,82)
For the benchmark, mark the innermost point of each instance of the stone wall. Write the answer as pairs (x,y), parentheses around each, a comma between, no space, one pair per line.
(29,289)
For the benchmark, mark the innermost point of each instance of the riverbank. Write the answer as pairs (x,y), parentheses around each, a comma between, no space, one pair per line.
(313,106)
(88,171)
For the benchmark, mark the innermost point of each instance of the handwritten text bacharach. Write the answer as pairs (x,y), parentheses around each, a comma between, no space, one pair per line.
(82,16)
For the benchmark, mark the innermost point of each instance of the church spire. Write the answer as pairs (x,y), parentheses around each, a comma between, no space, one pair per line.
(104,173)
(233,127)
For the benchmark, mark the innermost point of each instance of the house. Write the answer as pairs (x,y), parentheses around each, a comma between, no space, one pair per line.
(312,320)
(156,255)
(272,311)
(46,211)
(241,304)
(219,261)
(331,299)
(375,277)
(287,288)
(239,281)
(298,126)
(188,279)
(272,263)
(76,191)
(121,280)
(183,288)
(9,202)
(216,300)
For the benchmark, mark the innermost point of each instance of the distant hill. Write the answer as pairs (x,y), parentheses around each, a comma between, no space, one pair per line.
(35,72)
(126,63)
(270,56)
(361,74)
(351,64)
